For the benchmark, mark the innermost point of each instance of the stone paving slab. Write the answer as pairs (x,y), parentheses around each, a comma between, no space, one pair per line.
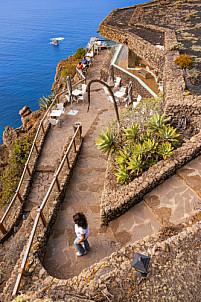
(173,201)
(191,174)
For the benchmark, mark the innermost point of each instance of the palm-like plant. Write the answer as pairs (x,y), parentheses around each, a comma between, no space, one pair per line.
(106,141)
(122,175)
(45,102)
(156,122)
(131,133)
(135,164)
(150,146)
(139,149)
(168,133)
(123,156)
(165,150)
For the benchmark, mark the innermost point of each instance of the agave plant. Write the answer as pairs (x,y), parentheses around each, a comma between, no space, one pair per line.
(165,150)
(122,175)
(135,164)
(168,133)
(123,156)
(139,149)
(131,133)
(106,141)
(157,122)
(45,102)
(150,145)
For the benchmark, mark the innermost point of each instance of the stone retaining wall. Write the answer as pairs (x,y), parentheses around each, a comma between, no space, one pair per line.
(149,52)
(113,272)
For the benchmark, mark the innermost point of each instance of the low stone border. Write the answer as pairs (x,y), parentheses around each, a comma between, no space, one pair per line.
(115,203)
(110,272)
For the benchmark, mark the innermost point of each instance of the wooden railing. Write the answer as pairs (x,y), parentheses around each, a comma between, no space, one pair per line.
(28,166)
(40,212)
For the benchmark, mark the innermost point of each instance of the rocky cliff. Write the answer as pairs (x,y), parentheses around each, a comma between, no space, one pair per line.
(30,121)
(64,68)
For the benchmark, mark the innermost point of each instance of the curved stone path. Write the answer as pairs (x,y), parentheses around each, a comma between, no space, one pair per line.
(171,202)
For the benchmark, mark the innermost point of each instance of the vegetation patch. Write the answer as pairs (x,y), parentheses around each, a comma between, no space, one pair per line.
(184,61)
(16,162)
(140,143)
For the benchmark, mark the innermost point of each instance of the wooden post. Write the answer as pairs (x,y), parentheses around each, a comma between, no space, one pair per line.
(58,184)
(36,147)
(2,229)
(28,170)
(74,145)
(44,222)
(68,165)
(42,128)
(19,197)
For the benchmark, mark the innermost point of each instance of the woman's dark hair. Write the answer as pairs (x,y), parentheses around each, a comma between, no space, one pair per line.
(80,62)
(80,220)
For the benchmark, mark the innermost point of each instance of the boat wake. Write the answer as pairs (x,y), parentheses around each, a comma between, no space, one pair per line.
(59,38)
(55,41)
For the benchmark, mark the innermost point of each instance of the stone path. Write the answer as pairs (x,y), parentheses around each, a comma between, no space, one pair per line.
(171,202)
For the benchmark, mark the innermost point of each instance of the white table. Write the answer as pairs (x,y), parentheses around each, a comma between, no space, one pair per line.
(76,92)
(89,55)
(56,113)
(119,94)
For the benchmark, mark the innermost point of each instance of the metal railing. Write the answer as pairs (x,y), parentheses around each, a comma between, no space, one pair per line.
(40,212)
(27,168)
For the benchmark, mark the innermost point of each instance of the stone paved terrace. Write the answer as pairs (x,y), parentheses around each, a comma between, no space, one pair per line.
(161,207)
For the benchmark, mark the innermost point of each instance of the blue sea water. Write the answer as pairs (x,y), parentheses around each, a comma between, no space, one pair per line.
(27,59)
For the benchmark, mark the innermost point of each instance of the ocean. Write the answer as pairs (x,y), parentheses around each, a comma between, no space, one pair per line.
(28,60)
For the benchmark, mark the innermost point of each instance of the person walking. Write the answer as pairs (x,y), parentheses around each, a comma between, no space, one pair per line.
(82,232)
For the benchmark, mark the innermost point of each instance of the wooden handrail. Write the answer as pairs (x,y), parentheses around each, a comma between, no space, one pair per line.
(34,146)
(40,214)
(21,270)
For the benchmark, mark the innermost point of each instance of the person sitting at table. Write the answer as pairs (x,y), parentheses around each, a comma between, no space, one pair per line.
(85,62)
(80,66)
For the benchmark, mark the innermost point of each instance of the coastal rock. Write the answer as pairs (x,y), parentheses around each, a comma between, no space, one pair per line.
(9,136)
(25,111)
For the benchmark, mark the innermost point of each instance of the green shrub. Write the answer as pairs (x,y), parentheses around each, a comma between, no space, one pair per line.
(184,61)
(106,142)
(16,162)
(69,70)
(176,46)
(139,147)
(80,53)
(45,101)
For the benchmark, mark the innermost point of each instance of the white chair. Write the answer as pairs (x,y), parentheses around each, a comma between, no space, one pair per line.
(110,99)
(60,106)
(138,99)
(53,121)
(84,88)
(122,89)
(106,90)
(118,81)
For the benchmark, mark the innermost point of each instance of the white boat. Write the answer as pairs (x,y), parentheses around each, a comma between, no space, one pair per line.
(55,41)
